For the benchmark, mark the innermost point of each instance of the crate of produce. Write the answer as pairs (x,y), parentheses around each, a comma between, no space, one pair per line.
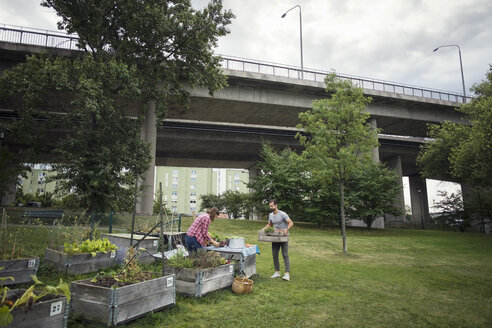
(273,236)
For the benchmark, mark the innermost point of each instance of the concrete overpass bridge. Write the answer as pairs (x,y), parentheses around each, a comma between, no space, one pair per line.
(262,103)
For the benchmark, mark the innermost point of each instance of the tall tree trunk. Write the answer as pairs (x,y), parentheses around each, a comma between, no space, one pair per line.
(342,213)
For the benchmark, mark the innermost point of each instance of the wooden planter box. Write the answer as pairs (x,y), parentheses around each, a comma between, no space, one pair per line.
(275,236)
(20,269)
(44,314)
(79,263)
(115,306)
(198,282)
(122,240)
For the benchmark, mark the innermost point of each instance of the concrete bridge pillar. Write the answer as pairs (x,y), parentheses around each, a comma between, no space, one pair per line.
(149,135)
(419,199)
(375,150)
(394,164)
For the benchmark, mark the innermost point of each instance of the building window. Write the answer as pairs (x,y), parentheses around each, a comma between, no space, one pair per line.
(193,180)
(175,179)
(193,173)
(192,208)
(192,201)
(175,173)
(174,208)
(175,186)
(193,186)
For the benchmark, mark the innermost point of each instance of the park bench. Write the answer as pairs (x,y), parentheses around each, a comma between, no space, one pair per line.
(43,214)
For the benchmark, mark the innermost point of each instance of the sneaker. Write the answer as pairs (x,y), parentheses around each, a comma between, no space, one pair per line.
(286,277)
(275,275)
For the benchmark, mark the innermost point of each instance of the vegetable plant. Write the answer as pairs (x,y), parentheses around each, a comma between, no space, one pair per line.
(28,298)
(201,259)
(269,230)
(90,246)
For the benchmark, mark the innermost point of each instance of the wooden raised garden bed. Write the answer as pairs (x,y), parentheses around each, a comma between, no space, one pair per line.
(79,263)
(274,236)
(198,282)
(122,240)
(20,269)
(48,313)
(113,306)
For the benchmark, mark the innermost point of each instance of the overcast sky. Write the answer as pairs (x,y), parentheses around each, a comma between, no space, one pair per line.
(389,40)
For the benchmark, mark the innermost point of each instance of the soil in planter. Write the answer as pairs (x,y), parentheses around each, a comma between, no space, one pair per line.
(111,282)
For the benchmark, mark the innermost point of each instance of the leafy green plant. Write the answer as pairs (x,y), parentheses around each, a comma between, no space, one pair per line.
(28,298)
(131,273)
(269,230)
(202,259)
(90,246)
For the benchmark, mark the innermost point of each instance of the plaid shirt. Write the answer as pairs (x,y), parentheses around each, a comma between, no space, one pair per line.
(199,228)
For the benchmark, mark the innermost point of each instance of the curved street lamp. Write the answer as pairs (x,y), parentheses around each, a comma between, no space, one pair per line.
(461,66)
(300,27)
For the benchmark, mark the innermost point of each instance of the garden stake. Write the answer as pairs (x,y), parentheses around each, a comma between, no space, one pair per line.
(162,225)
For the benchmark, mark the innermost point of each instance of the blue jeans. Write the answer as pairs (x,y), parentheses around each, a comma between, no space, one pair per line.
(192,245)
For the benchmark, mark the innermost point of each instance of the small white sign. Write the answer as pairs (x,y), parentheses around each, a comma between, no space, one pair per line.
(155,243)
(113,255)
(231,268)
(170,282)
(31,264)
(56,308)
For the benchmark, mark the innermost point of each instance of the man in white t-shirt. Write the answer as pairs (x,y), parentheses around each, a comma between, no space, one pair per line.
(280,221)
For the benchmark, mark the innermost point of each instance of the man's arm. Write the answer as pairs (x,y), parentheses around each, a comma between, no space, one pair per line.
(269,224)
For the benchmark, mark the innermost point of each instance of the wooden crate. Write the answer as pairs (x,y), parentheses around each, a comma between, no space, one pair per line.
(122,240)
(44,314)
(198,282)
(19,269)
(79,263)
(275,236)
(115,306)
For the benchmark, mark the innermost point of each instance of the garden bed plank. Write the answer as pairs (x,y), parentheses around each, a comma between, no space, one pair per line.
(198,282)
(115,306)
(79,263)
(19,269)
(122,240)
(41,315)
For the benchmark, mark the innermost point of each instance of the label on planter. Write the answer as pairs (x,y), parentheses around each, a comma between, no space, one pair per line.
(31,264)
(56,308)
(231,269)
(170,282)
(113,255)
(155,243)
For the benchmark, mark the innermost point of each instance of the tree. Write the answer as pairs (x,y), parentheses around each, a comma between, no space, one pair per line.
(282,176)
(234,203)
(462,152)
(137,52)
(451,212)
(337,136)
(169,42)
(211,200)
(371,193)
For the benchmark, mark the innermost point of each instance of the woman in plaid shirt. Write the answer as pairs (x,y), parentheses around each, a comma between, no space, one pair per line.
(197,234)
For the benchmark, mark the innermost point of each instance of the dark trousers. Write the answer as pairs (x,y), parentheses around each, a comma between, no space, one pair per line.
(192,245)
(285,254)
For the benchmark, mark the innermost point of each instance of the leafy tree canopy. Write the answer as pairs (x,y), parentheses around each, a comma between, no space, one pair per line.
(168,41)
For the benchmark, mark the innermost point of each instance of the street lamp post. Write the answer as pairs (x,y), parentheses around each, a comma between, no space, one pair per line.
(461,66)
(421,208)
(300,33)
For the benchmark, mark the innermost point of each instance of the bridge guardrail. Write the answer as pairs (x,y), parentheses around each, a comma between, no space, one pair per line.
(54,39)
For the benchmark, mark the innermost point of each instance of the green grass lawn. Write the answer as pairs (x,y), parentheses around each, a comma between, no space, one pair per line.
(389,278)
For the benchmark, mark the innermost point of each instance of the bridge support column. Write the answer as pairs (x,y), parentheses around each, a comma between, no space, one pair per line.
(394,164)
(8,196)
(420,201)
(149,134)
(375,150)
(253,171)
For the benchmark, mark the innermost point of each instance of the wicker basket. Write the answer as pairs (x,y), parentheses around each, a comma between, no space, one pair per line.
(242,285)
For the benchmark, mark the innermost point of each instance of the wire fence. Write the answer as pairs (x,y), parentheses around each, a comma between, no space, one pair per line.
(54,39)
